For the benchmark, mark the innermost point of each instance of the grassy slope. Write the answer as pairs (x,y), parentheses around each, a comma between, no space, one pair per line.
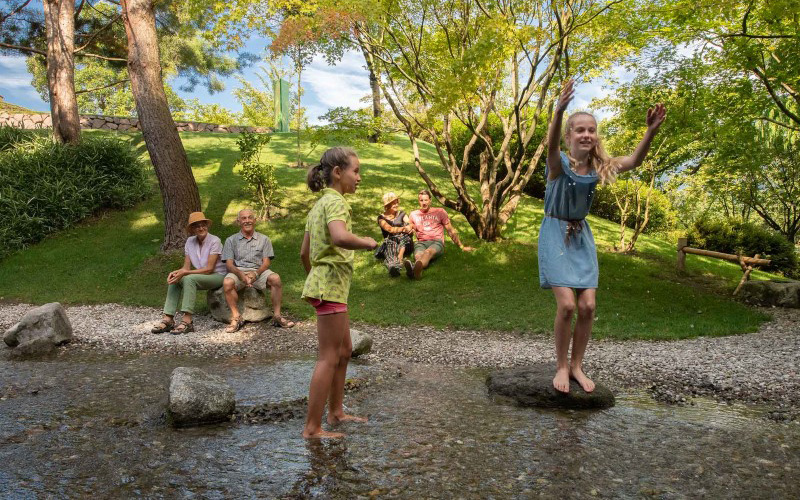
(114,259)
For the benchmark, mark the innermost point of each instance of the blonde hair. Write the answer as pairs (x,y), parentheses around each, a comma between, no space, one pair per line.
(599,160)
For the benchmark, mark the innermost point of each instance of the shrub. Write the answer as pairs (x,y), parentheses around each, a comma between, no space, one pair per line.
(10,137)
(260,176)
(662,215)
(46,186)
(748,239)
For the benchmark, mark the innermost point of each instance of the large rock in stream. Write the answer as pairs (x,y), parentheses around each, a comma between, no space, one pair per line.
(533,386)
(778,293)
(252,305)
(39,331)
(362,342)
(198,398)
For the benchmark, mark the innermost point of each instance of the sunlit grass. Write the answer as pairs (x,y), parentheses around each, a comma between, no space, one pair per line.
(115,258)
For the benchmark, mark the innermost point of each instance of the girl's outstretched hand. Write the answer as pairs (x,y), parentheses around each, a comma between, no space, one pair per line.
(656,116)
(566,96)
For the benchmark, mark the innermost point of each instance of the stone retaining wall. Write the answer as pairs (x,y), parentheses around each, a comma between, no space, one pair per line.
(43,120)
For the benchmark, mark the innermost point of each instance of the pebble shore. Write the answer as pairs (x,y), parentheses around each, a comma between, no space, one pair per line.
(760,367)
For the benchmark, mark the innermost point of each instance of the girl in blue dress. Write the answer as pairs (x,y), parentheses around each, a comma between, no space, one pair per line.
(567,255)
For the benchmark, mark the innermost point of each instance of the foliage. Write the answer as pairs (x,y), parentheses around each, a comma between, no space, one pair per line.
(102,84)
(460,290)
(461,136)
(11,137)
(207,113)
(470,62)
(47,186)
(346,126)
(746,238)
(662,216)
(258,105)
(260,176)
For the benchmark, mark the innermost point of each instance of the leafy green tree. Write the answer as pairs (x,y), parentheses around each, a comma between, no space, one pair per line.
(466,61)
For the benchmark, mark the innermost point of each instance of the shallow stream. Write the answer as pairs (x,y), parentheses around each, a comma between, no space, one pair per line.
(87,423)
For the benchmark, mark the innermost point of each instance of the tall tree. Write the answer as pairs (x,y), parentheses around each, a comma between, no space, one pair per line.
(59,23)
(175,179)
(469,62)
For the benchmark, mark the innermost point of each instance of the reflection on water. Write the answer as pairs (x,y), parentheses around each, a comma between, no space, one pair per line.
(85,424)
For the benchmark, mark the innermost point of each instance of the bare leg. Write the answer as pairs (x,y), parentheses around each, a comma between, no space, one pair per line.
(336,412)
(565,309)
(275,293)
(583,330)
(231,296)
(187,317)
(422,261)
(331,331)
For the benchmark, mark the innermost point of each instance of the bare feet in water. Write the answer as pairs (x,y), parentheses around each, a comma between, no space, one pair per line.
(580,377)
(320,434)
(561,380)
(338,419)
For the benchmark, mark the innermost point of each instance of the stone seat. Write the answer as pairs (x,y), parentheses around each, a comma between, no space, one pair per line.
(253,305)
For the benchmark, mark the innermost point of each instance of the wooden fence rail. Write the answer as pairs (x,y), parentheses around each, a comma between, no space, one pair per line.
(746,263)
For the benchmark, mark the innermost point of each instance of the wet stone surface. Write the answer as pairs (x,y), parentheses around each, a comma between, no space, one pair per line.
(92,424)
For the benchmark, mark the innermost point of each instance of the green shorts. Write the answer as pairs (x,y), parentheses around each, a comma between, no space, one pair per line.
(421,246)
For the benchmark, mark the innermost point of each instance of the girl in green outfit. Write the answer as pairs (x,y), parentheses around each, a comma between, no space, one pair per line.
(327,255)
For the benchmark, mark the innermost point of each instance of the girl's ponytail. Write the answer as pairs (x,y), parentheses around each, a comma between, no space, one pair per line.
(315,178)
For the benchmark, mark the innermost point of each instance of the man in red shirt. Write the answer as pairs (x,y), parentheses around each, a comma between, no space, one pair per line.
(429,225)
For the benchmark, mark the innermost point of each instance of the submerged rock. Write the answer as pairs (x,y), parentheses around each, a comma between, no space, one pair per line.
(39,331)
(362,342)
(198,398)
(779,293)
(252,305)
(533,386)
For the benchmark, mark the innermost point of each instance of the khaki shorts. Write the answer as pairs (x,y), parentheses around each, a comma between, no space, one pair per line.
(260,283)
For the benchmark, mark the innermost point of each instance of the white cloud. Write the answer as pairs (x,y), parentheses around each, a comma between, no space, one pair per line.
(344,84)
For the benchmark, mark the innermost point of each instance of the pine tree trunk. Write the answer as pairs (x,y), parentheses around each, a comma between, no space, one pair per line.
(60,25)
(175,178)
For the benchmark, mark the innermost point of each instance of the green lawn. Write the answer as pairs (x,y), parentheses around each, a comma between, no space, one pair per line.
(114,258)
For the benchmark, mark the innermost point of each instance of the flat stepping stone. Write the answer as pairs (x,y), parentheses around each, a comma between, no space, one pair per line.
(533,386)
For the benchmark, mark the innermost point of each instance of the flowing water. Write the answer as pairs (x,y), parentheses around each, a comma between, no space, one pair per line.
(86,424)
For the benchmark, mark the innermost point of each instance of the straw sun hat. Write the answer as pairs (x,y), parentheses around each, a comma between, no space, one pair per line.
(388,198)
(195,217)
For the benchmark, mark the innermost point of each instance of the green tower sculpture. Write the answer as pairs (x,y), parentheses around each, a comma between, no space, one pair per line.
(281,99)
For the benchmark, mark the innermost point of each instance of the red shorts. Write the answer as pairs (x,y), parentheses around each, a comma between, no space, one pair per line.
(324,307)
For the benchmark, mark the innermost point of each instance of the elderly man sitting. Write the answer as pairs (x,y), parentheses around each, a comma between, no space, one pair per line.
(247,255)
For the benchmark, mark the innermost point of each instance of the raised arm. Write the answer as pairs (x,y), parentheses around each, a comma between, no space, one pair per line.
(554,134)
(655,117)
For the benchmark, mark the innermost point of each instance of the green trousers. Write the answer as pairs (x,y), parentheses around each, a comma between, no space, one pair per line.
(189,285)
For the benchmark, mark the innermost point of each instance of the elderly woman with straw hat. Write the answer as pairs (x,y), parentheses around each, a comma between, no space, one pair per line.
(202,251)
(397,233)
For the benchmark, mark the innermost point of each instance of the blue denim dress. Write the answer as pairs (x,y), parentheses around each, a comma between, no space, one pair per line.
(567,255)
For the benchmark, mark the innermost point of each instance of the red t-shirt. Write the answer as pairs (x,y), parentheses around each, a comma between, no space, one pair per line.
(430,224)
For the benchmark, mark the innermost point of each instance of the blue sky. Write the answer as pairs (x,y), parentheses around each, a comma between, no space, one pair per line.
(345,84)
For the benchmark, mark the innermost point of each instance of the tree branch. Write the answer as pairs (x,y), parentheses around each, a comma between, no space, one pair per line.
(103,87)
(23,49)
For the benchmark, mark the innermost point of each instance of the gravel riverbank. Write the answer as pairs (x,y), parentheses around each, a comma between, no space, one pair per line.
(760,367)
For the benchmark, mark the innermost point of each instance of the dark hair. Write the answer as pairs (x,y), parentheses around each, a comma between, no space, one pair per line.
(426,193)
(319,175)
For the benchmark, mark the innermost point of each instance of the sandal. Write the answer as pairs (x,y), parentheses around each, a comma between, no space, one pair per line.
(163,326)
(184,327)
(235,325)
(282,322)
